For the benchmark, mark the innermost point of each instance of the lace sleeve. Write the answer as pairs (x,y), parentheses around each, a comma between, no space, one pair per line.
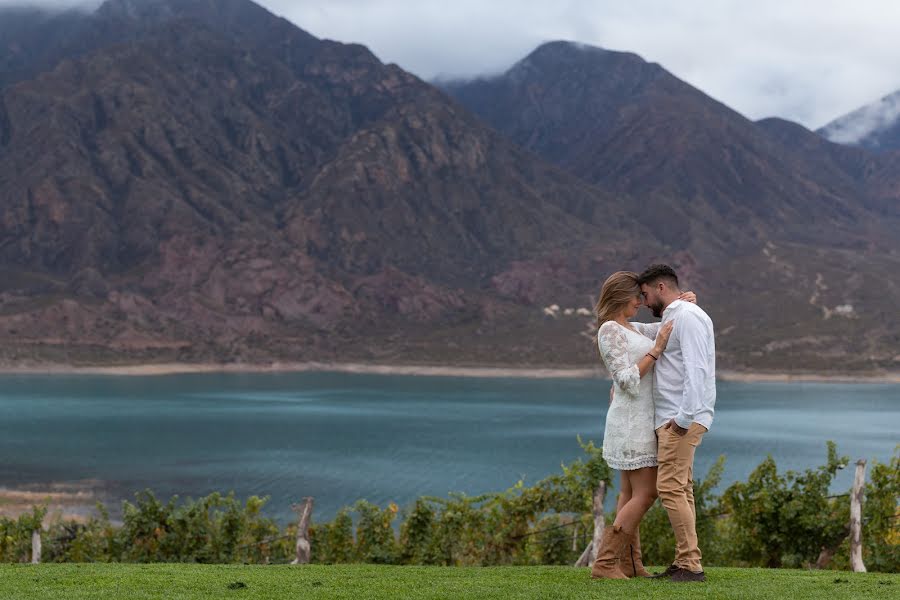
(647,329)
(614,350)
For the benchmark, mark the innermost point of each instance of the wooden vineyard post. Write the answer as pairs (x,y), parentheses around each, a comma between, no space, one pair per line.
(590,553)
(856,500)
(36,547)
(303,549)
(599,520)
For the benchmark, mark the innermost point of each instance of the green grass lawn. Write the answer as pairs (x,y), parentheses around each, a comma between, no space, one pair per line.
(362,582)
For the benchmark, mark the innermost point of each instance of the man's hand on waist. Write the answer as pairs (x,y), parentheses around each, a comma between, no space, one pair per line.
(675,427)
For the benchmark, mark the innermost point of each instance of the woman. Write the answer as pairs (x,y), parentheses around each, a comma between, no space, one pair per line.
(629,351)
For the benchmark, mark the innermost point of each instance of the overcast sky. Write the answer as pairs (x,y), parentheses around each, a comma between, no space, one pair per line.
(806,60)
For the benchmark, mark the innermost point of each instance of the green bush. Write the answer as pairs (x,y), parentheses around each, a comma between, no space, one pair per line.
(213,529)
(417,535)
(375,541)
(96,540)
(15,535)
(772,519)
(552,544)
(332,542)
(786,520)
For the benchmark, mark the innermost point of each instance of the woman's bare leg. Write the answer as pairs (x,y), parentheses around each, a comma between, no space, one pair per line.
(625,491)
(642,487)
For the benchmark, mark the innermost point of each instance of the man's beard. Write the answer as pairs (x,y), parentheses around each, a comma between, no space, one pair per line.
(657,309)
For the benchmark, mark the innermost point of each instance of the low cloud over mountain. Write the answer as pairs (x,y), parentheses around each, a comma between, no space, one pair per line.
(875,126)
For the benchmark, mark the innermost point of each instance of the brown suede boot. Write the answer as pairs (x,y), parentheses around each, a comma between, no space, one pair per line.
(606,566)
(630,561)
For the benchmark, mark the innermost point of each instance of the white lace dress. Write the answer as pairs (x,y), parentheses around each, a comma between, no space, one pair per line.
(629,441)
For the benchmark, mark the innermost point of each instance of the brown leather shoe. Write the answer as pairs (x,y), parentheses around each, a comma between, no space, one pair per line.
(607,564)
(630,562)
(685,576)
(670,570)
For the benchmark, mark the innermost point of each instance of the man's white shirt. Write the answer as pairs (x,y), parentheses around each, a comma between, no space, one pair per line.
(684,380)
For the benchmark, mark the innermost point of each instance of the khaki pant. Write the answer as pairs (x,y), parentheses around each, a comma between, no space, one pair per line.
(675,482)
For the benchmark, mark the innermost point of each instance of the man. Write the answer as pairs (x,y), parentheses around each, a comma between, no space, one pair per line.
(684,396)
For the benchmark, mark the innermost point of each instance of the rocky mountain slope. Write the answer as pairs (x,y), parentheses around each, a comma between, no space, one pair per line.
(213,183)
(199,180)
(776,225)
(613,119)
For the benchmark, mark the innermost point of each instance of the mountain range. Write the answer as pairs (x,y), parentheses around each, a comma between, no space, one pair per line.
(202,181)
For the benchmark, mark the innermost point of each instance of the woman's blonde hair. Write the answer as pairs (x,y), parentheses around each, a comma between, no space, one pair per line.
(618,290)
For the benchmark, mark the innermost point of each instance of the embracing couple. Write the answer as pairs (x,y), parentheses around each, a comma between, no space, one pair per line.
(664,391)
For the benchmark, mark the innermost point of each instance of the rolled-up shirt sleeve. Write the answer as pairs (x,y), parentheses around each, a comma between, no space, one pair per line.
(614,351)
(695,350)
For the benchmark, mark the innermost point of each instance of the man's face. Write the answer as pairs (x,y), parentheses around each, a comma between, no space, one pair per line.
(652,300)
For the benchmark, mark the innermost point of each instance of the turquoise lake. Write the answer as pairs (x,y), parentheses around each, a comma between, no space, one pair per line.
(342,437)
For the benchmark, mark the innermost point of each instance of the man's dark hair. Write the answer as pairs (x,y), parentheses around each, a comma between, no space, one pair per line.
(654,273)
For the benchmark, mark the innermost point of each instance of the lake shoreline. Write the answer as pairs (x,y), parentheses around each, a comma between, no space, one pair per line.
(419,370)
(71,501)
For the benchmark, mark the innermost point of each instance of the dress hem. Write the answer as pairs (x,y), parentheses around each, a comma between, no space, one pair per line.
(632,465)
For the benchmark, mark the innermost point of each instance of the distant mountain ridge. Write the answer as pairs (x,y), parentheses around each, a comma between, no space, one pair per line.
(613,119)
(198,180)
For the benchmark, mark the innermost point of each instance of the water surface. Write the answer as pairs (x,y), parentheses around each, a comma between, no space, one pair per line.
(341,437)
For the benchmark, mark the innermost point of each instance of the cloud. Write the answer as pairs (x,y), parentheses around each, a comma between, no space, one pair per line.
(856,126)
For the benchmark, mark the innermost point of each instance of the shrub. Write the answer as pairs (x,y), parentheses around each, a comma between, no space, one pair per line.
(772,519)
(786,520)
(15,535)
(332,542)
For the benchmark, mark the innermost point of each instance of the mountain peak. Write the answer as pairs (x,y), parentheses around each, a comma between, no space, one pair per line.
(561,49)
(875,126)
(559,54)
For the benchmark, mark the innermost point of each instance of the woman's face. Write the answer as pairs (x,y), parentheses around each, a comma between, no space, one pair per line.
(631,309)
